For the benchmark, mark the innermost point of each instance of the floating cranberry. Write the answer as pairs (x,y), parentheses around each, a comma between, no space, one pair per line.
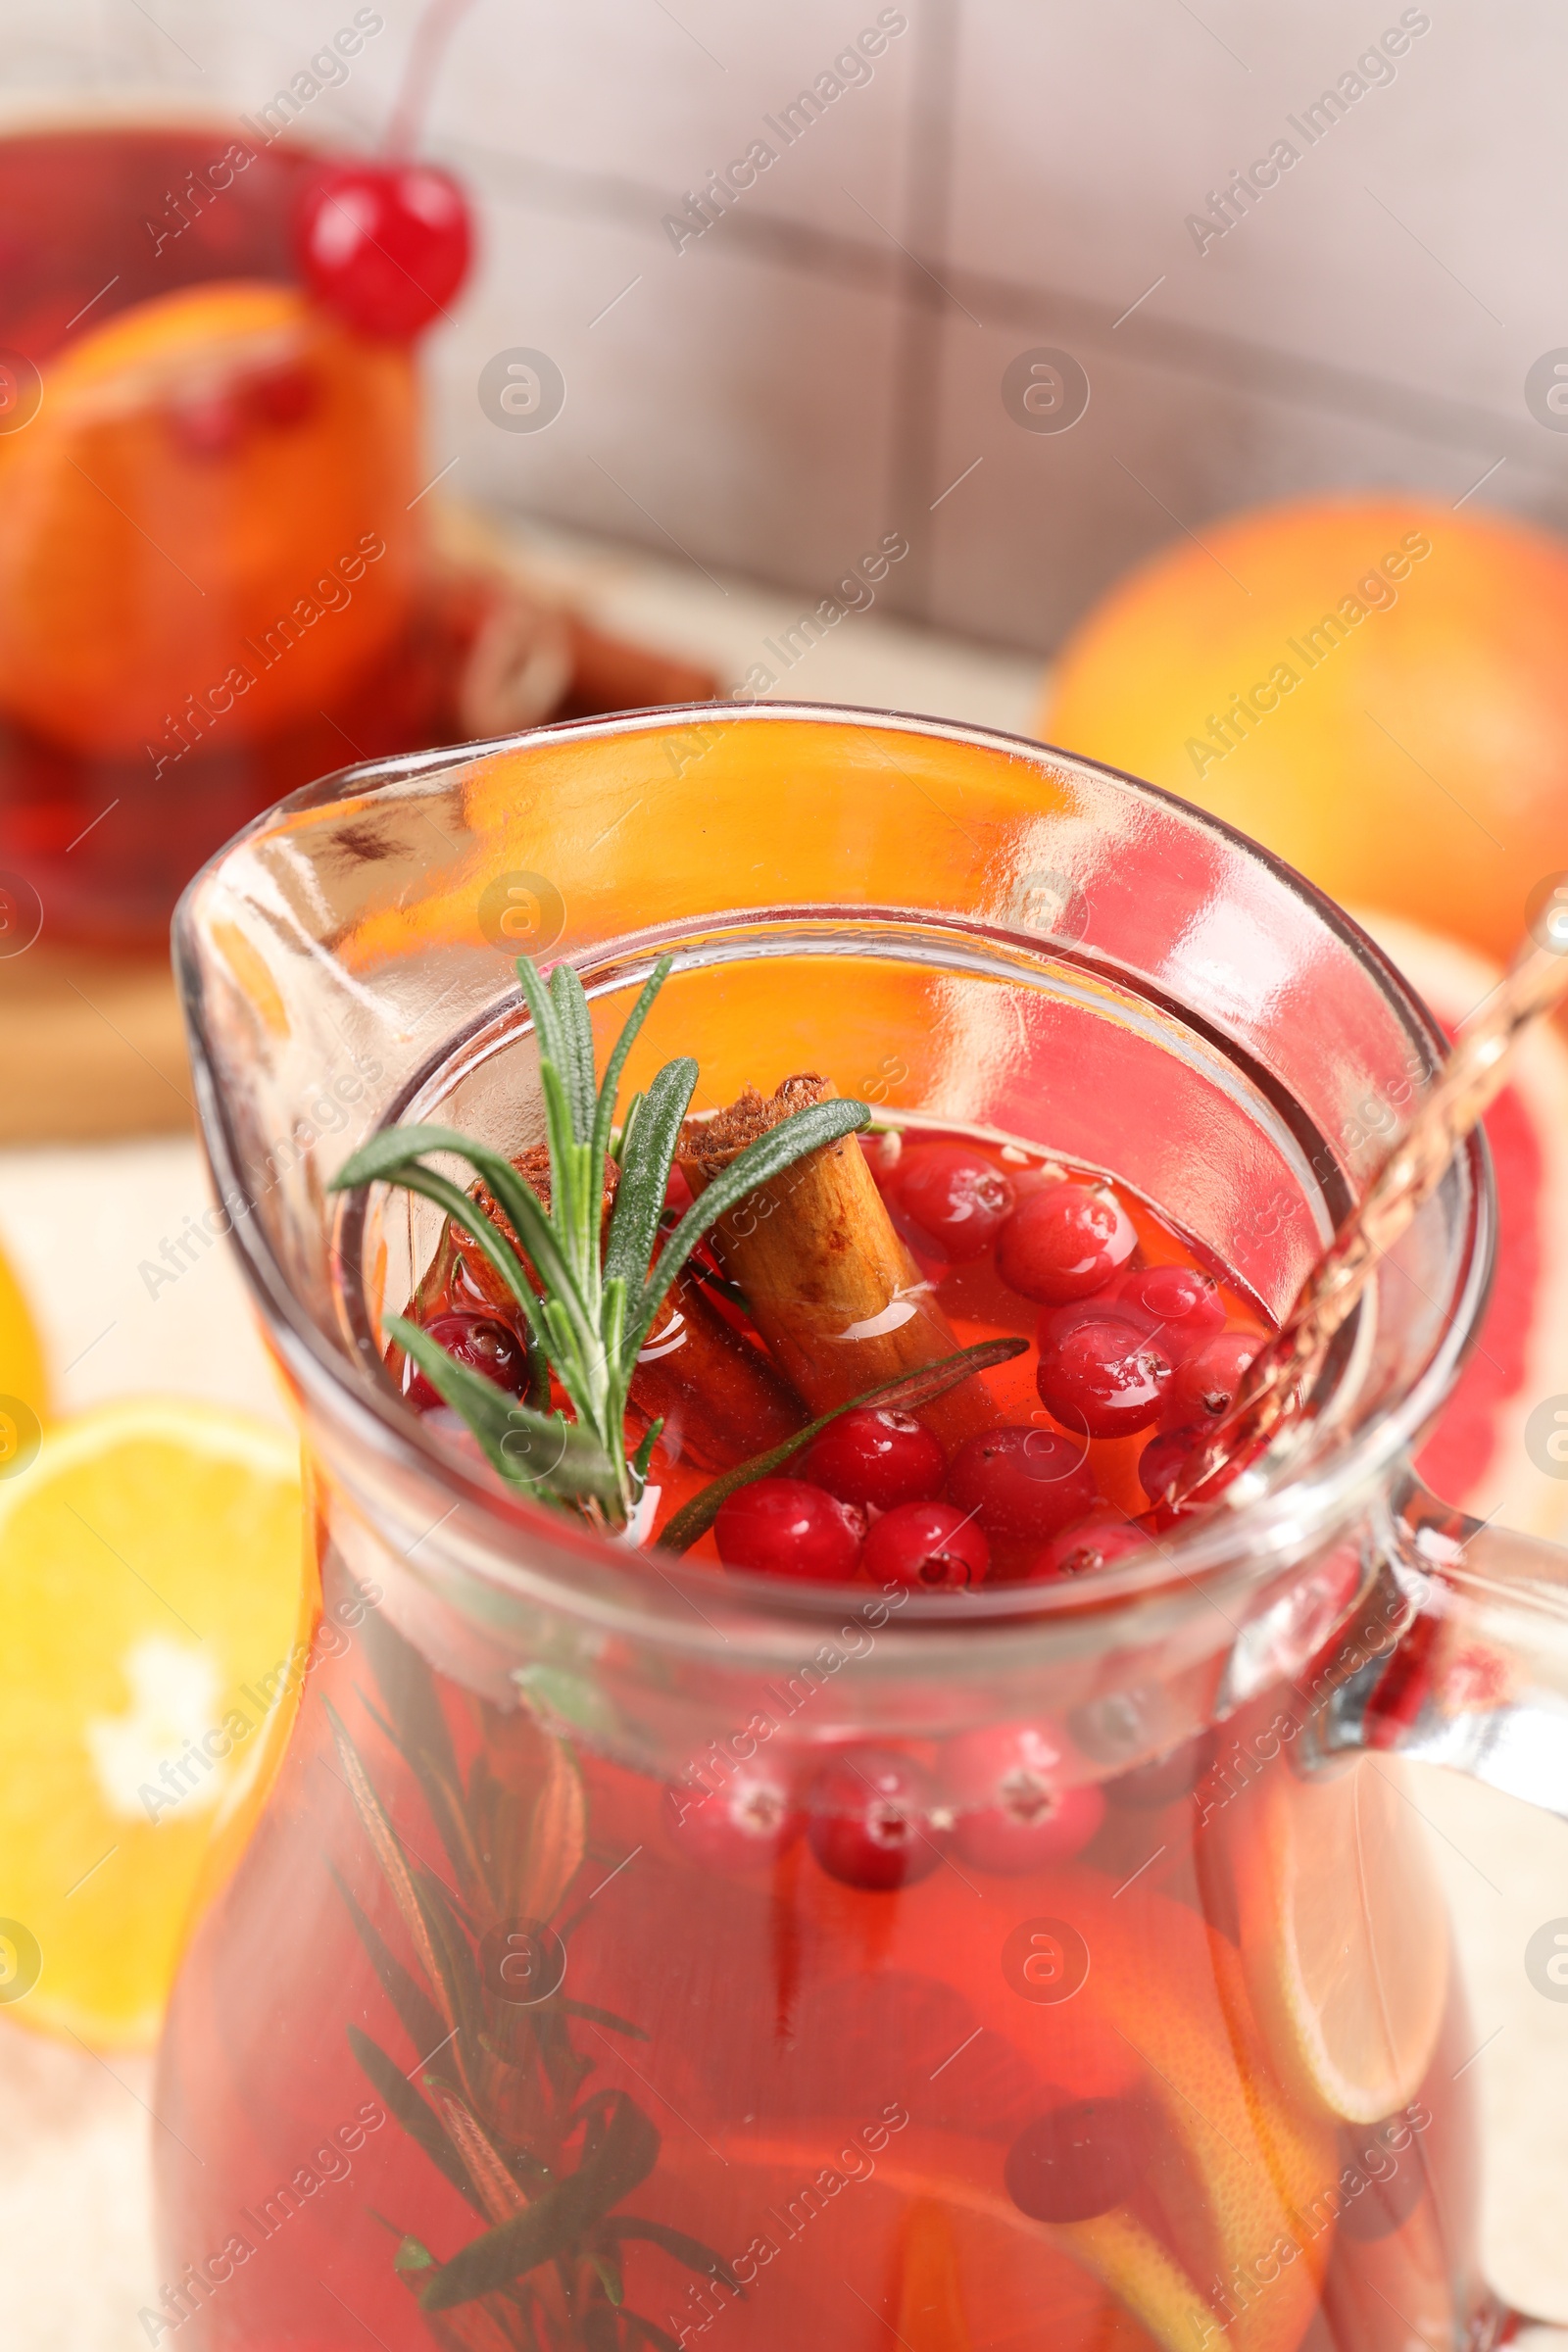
(1165,1458)
(1079,2158)
(871,1823)
(1088,1545)
(1204,1388)
(1020,1481)
(881,1457)
(283,396)
(1183,1306)
(384,245)
(948,1201)
(931,1546)
(1105,1378)
(1064,1243)
(1023,1819)
(783,1527)
(745,1825)
(480,1344)
(208,425)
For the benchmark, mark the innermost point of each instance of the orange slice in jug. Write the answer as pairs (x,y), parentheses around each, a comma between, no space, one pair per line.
(1345,1938)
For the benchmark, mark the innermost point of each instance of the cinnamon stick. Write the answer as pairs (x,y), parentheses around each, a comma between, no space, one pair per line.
(828,1283)
(721,1399)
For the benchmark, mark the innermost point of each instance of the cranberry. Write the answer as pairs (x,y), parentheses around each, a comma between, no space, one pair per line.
(871,1821)
(1106,1377)
(1089,1543)
(282,396)
(1183,1306)
(384,245)
(784,1527)
(1064,1243)
(881,1457)
(1204,1386)
(747,1824)
(929,1545)
(1163,1460)
(1022,1820)
(209,424)
(1080,2158)
(1021,1482)
(479,1343)
(948,1202)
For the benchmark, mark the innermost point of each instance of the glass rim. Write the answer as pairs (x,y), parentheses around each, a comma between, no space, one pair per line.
(536,1555)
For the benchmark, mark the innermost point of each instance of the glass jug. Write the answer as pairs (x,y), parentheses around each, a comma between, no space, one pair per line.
(520,2012)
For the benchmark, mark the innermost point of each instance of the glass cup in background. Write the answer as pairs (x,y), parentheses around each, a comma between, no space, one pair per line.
(214,576)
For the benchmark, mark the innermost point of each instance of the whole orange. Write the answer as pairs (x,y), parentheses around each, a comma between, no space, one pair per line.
(1375,687)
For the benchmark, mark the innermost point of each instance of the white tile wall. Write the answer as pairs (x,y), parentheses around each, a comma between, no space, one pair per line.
(826,359)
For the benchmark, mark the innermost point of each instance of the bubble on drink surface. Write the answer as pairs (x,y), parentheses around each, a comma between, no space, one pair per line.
(1045,1960)
(1546,913)
(521,390)
(20,914)
(1546,390)
(19,1436)
(1051,903)
(522,1961)
(1547,1436)
(522,913)
(1045,390)
(1546,1959)
(20,390)
(21,1960)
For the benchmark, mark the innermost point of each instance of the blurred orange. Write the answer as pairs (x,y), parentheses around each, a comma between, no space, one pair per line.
(1374,687)
(212,471)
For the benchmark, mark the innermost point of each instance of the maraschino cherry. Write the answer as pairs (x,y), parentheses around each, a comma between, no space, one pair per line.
(386,243)
(386,246)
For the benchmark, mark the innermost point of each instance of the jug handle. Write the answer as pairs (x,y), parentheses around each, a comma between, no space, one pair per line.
(1473,1671)
(1472,1674)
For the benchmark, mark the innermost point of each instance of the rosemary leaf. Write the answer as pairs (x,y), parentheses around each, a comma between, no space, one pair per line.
(558,2218)
(557,1831)
(610,1087)
(645,1176)
(418,2016)
(401,2100)
(559,1458)
(387,1850)
(604,2017)
(804,1131)
(577,1032)
(910,1391)
(689,2250)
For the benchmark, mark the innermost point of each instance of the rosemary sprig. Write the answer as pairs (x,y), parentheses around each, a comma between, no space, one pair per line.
(503,2106)
(600,1285)
(910,1391)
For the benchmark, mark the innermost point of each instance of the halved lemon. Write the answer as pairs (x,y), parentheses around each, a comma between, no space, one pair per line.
(1345,1937)
(23,1387)
(153,1593)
